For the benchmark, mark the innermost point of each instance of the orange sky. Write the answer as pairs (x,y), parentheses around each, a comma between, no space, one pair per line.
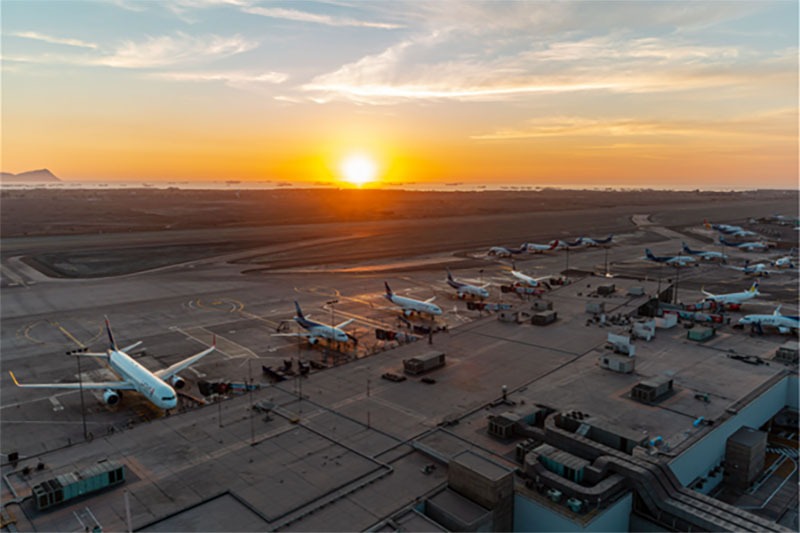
(633,94)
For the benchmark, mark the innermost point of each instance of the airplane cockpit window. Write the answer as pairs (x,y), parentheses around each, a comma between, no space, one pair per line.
(167,398)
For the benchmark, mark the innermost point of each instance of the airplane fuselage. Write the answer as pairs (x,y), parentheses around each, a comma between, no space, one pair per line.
(782,322)
(465,288)
(411,305)
(144,382)
(322,331)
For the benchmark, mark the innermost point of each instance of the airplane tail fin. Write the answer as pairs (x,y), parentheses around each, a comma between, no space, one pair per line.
(449,275)
(706,223)
(297,308)
(388,289)
(111,341)
(553,244)
(686,248)
(777,311)
(754,287)
(649,254)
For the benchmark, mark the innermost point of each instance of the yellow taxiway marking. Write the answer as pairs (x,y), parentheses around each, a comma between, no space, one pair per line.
(69,335)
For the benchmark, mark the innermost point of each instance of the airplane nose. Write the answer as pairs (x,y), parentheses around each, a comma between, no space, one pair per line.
(170,404)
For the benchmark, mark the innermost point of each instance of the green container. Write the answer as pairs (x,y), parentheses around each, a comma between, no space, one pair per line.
(701,334)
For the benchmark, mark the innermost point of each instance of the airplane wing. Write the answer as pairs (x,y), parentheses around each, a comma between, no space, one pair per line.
(114,385)
(707,293)
(299,334)
(430,300)
(131,347)
(344,324)
(170,371)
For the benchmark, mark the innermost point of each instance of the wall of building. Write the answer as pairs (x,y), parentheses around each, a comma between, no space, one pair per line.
(710,450)
(530,515)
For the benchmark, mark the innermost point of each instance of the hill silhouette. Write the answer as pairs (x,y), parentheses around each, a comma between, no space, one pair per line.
(32,176)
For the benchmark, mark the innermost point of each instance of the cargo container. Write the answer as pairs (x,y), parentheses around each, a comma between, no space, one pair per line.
(423,363)
(543,318)
(701,334)
(69,486)
(595,307)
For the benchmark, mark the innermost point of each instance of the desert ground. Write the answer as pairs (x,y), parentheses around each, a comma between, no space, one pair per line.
(99,233)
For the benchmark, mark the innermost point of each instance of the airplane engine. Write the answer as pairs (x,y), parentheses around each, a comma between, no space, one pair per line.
(407,312)
(178,382)
(313,340)
(111,397)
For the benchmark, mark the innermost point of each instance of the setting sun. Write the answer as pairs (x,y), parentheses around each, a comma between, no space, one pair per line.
(359,170)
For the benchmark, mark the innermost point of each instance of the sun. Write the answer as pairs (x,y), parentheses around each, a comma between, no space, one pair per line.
(359,169)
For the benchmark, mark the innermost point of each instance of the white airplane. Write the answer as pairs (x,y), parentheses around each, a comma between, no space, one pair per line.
(316,331)
(747,246)
(534,248)
(465,288)
(733,297)
(133,376)
(743,233)
(565,245)
(529,280)
(587,241)
(723,228)
(410,305)
(759,269)
(783,262)
(502,251)
(783,323)
(702,254)
(674,260)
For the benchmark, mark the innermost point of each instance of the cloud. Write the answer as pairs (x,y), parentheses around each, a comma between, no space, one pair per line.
(170,50)
(153,52)
(448,64)
(779,123)
(316,18)
(54,40)
(230,78)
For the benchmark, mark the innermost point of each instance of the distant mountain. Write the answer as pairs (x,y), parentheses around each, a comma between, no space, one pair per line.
(32,176)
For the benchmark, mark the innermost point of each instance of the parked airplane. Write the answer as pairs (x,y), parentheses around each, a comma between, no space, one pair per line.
(534,248)
(702,254)
(674,260)
(465,288)
(529,280)
(565,245)
(783,323)
(722,228)
(733,297)
(743,233)
(586,241)
(410,305)
(759,269)
(134,377)
(747,246)
(783,262)
(502,251)
(316,331)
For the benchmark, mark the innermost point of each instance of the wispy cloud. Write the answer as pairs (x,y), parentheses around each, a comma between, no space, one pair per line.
(777,124)
(152,52)
(316,18)
(446,65)
(174,49)
(54,40)
(230,78)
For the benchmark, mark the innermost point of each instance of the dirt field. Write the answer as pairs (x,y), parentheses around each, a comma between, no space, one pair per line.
(97,233)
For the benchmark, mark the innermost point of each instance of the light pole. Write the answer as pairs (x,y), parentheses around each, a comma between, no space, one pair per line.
(331,303)
(80,387)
